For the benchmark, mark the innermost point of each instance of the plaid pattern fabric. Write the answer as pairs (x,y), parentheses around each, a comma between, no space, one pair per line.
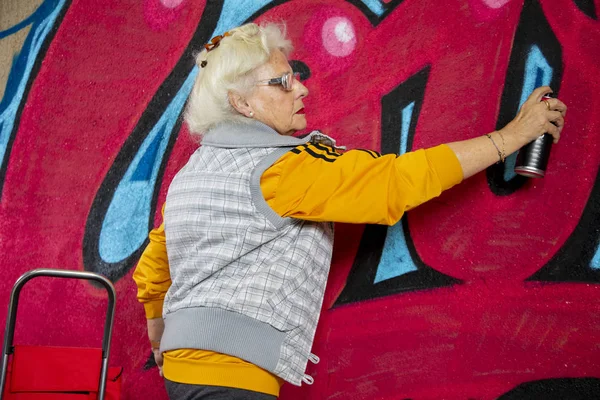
(225,253)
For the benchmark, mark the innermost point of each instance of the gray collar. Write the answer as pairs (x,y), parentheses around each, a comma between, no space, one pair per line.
(257,134)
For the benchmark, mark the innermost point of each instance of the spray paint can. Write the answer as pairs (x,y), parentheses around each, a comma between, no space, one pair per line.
(532,159)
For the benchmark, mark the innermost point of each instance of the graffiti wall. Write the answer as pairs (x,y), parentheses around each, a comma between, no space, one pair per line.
(489,291)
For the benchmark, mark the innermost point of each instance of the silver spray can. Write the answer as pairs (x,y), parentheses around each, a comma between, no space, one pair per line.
(532,159)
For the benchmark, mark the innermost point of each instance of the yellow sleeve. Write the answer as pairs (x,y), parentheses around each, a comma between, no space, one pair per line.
(314,182)
(152,275)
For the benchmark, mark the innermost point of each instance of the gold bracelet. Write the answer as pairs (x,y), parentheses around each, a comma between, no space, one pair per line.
(500,153)
(503,146)
(155,344)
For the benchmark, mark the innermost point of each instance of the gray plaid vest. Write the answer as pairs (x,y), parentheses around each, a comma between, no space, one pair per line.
(245,281)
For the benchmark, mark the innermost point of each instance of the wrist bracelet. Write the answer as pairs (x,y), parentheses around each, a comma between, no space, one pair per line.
(155,344)
(501,154)
(503,146)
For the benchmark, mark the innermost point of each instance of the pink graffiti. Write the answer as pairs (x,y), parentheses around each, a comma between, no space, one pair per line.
(339,38)
(476,340)
(171,3)
(495,3)
(488,9)
(161,14)
(331,36)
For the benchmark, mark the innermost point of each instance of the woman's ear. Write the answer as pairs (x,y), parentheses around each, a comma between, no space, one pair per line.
(240,104)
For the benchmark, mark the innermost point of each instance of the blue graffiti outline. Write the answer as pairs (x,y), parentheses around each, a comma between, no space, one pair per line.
(37,14)
(375,6)
(538,72)
(42,21)
(395,257)
(595,263)
(124,228)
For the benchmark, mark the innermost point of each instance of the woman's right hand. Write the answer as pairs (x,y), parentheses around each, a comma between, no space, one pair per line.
(158,358)
(537,117)
(156,326)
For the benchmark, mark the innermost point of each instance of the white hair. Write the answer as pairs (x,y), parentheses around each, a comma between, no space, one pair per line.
(229,68)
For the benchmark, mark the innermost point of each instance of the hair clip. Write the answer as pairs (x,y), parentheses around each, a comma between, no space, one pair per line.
(213,44)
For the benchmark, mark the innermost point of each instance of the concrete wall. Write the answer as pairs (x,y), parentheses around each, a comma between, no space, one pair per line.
(490,290)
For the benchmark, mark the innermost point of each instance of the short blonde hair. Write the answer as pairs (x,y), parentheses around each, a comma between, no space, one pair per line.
(229,68)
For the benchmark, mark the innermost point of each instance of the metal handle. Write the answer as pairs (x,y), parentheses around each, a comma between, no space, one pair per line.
(58,273)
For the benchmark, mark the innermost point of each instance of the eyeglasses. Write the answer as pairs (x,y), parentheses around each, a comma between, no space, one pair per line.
(286,81)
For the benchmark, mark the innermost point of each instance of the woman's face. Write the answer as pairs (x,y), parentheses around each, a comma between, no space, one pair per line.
(274,106)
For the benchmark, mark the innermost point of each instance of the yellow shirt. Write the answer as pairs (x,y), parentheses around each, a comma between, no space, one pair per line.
(310,182)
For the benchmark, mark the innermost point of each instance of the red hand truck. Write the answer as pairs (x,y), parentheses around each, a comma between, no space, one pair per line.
(48,373)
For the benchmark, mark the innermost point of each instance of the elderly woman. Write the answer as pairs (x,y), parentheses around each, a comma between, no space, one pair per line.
(247,221)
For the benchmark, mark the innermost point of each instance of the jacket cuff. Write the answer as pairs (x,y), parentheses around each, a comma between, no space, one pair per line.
(446,165)
(154,309)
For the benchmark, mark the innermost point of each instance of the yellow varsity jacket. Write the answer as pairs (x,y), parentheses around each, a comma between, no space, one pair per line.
(311,182)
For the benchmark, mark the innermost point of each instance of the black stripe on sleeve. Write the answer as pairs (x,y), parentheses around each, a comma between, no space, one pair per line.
(317,155)
(330,151)
(299,149)
(369,152)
